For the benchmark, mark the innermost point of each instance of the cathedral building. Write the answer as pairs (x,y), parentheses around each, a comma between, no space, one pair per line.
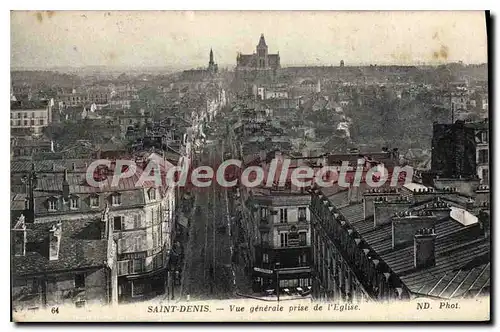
(258,64)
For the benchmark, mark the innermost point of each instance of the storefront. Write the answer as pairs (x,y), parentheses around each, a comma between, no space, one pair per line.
(142,287)
(290,280)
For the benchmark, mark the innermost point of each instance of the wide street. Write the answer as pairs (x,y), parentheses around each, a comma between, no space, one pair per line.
(208,273)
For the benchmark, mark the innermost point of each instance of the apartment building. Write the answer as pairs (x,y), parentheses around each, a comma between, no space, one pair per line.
(30,117)
(142,219)
(284,238)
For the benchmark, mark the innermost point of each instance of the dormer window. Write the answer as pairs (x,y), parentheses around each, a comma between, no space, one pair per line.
(94,201)
(73,203)
(152,194)
(52,204)
(116,199)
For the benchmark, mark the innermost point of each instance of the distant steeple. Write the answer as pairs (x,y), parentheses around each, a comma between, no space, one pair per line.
(262,41)
(211,62)
(212,66)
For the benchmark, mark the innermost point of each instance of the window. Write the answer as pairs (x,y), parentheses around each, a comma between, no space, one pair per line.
(302,239)
(263,213)
(73,203)
(486,176)
(80,280)
(289,283)
(265,258)
(137,221)
(137,243)
(117,223)
(265,237)
(42,122)
(25,122)
(302,259)
(302,213)
(94,201)
(152,194)
(18,115)
(304,282)
(483,156)
(283,216)
(484,137)
(155,238)
(52,204)
(284,239)
(123,267)
(138,288)
(18,122)
(139,265)
(116,199)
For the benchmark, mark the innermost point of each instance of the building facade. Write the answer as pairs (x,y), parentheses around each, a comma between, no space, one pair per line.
(284,241)
(141,218)
(30,117)
(453,150)
(259,64)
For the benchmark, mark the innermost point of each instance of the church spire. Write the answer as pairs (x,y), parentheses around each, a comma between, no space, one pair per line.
(262,41)
(211,56)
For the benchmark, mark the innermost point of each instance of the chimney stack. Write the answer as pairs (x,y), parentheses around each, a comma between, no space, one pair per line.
(65,185)
(424,248)
(384,209)
(19,237)
(54,241)
(34,177)
(484,220)
(370,195)
(406,224)
(439,208)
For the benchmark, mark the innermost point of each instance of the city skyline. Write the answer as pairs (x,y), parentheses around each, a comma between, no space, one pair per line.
(180,40)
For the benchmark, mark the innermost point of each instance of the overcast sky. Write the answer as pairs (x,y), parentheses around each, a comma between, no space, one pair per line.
(183,39)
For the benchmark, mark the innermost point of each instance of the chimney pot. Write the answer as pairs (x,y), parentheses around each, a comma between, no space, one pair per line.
(424,248)
(54,241)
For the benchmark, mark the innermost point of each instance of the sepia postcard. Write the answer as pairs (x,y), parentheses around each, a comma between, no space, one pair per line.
(249,166)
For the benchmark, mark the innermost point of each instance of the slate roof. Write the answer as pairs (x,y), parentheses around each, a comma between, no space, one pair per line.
(22,166)
(28,104)
(50,186)
(462,265)
(80,248)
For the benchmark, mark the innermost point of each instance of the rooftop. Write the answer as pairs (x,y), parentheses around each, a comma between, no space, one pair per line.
(81,247)
(28,104)
(462,256)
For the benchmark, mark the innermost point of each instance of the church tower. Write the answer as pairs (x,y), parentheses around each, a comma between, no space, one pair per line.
(212,66)
(211,61)
(262,60)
